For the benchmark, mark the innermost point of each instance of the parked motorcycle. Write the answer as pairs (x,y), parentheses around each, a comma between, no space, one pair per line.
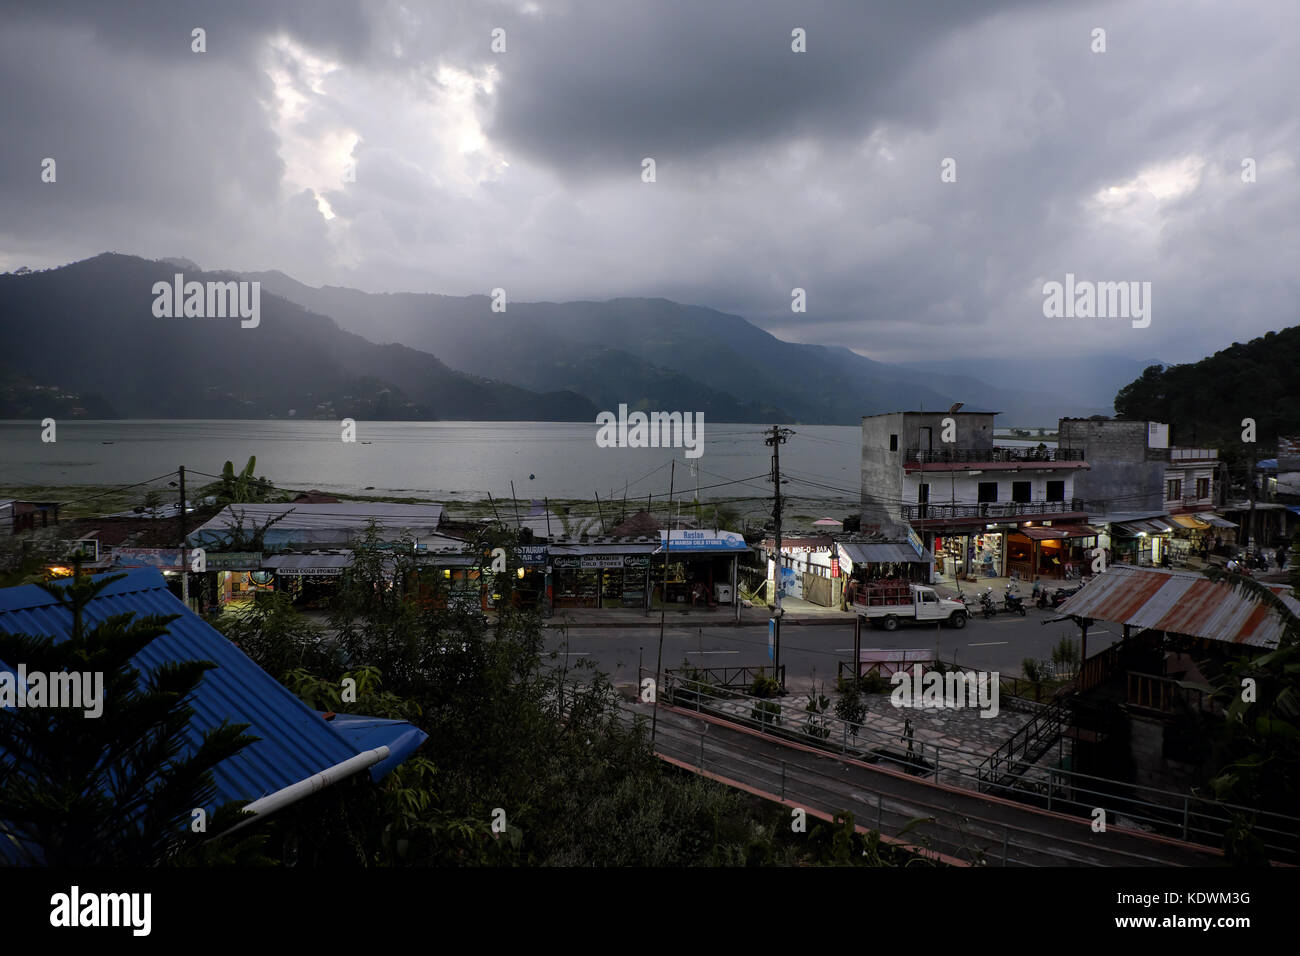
(1054,598)
(988,604)
(1012,600)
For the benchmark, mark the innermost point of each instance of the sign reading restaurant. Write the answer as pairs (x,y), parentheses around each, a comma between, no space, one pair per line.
(702,541)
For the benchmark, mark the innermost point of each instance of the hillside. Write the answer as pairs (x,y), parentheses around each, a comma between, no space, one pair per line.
(1206,401)
(89,328)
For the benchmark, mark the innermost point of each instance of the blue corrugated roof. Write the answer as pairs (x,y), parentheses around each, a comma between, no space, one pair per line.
(295,741)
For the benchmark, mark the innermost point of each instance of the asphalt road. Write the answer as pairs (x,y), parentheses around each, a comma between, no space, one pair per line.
(811,651)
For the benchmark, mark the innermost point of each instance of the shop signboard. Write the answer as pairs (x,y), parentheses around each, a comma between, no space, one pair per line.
(532,555)
(234,561)
(309,572)
(686,541)
(914,540)
(596,562)
(167,559)
(636,561)
(566,562)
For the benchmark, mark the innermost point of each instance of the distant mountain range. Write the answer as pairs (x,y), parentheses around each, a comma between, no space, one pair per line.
(89,327)
(659,354)
(332,352)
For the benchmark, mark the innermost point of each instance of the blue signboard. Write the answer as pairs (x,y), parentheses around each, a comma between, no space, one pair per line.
(771,637)
(702,541)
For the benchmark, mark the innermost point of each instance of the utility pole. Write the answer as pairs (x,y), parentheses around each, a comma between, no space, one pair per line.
(776,440)
(515,502)
(185,558)
(1250,485)
(663,608)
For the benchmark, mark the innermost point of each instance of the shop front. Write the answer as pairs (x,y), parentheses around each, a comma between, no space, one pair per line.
(884,564)
(809,568)
(529,587)
(311,580)
(603,575)
(575,585)
(702,568)
(1143,543)
(233,577)
(1050,551)
(970,554)
(1191,538)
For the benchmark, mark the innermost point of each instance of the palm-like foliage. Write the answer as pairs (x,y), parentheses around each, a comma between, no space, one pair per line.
(1261,734)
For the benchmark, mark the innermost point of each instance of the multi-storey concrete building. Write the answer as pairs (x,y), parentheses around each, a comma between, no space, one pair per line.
(979,507)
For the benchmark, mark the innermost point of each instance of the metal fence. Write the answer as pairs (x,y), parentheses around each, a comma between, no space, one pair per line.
(1188,817)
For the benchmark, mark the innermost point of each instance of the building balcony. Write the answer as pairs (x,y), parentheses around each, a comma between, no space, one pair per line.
(993,458)
(989,510)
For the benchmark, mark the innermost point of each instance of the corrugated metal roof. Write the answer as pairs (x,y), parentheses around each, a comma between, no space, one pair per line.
(1181,602)
(885,553)
(295,741)
(318,523)
(1058,531)
(611,548)
(301,562)
(1211,518)
(1148,526)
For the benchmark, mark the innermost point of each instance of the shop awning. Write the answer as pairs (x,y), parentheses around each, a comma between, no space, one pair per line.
(1214,520)
(308,565)
(1059,531)
(883,553)
(1132,529)
(1190,522)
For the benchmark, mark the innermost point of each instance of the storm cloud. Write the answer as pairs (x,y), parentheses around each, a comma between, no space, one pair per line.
(388,147)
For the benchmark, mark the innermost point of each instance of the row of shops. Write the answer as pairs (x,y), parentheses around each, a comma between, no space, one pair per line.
(701,569)
(1055,550)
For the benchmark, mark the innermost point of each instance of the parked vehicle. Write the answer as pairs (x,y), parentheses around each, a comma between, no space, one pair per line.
(988,604)
(1055,597)
(1012,601)
(889,605)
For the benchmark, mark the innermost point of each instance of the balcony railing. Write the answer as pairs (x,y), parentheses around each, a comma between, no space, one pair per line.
(990,509)
(980,455)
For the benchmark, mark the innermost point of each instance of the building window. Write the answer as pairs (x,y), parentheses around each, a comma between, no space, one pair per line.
(1021,491)
(988,491)
(1173,489)
(893,443)
(1056,491)
(922,494)
(1202,488)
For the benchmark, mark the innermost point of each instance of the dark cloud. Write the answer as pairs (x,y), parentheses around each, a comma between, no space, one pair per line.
(775,169)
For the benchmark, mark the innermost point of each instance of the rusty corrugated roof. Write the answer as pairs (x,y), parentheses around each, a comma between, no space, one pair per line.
(1181,602)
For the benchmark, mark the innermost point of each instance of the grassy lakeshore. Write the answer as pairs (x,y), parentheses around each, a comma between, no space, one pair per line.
(575,516)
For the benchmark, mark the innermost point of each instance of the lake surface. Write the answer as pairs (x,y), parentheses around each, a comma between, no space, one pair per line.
(443,460)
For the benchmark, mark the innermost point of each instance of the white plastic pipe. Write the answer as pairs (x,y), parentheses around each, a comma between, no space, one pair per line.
(265,806)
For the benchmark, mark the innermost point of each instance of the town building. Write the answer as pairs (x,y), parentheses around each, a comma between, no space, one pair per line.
(979,508)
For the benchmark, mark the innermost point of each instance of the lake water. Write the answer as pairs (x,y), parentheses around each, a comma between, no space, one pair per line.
(443,460)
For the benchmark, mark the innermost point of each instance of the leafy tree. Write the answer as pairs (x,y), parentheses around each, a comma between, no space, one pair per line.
(242,487)
(851,708)
(1257,746)
(118,789)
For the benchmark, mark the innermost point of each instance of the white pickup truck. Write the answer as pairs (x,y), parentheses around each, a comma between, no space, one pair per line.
(890,606)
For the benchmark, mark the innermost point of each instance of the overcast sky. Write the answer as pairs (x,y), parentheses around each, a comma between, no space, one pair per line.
(775,169)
